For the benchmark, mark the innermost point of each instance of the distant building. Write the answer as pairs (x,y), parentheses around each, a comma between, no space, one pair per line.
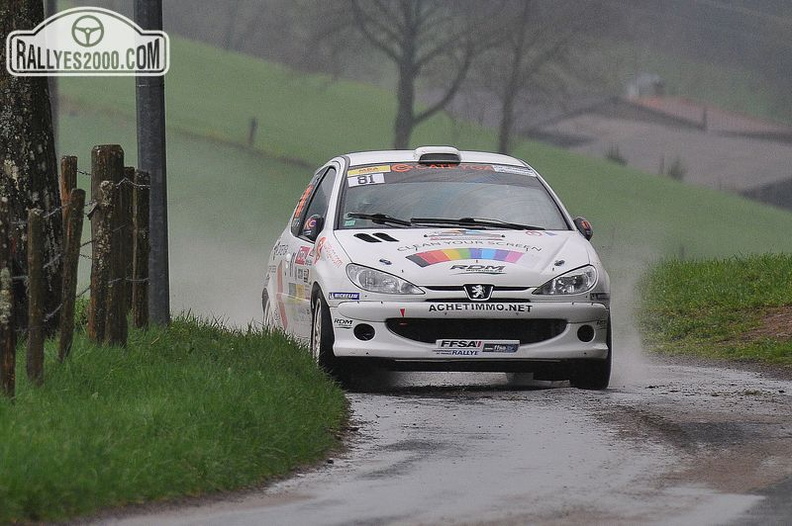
(646,85)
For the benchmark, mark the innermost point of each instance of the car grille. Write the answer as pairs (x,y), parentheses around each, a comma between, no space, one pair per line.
(429,330)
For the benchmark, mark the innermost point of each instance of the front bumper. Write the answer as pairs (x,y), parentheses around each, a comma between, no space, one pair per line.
(552,331)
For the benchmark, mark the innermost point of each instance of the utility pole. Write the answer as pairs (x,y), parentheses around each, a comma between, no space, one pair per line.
(150,92)
(50,8)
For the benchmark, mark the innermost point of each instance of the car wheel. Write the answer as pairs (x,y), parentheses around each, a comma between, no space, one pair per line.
(594,374)
(519,379)
(322,336)
(266,309)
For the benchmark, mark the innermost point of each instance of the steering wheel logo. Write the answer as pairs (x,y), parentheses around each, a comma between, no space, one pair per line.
(87,31)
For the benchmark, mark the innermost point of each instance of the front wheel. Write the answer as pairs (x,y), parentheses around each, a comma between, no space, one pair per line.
(594,374)
(266,309)
(322,336)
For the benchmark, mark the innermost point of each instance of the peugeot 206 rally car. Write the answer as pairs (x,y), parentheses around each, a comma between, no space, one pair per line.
(439,259)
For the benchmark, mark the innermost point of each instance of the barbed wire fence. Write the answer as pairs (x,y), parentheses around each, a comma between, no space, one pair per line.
(118,212)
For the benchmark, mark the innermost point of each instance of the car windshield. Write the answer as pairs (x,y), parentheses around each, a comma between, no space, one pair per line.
(477,195)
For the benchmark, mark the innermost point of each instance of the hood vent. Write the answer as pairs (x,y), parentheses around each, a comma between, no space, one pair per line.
(367,238)
(385,237)
(378,237)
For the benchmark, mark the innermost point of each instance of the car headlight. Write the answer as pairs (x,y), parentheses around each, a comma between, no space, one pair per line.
(374,280)
(578,281)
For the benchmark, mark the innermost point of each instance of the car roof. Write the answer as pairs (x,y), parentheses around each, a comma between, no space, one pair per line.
(406,156)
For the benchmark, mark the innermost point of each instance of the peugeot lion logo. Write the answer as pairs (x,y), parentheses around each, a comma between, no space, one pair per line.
(478,292)
(87,31)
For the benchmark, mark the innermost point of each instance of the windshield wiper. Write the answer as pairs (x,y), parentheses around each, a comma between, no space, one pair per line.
(379,219)
(475,221)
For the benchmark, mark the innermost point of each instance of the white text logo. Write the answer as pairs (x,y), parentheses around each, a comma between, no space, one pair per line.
(87,41)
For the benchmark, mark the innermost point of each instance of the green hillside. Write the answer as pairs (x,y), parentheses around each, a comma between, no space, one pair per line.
(228,202)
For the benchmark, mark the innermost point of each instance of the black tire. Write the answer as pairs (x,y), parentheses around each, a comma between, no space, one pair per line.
(594,374)
(265,309)
(322,336)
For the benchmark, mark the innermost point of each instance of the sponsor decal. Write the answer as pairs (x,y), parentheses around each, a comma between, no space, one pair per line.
(87,41)
(407,167)
(279,297)
(343,323)
(518,170)
(365,179)
(479,269)
(280,249)
(501,347)
(447,244)
(459,344)
(303,274)
(383,168)
(331,255)
(457,352)
(475,347)
(344,296)
(302,257)
(319,246)
(480,307)
(302,202)
(462,232)
(432,257)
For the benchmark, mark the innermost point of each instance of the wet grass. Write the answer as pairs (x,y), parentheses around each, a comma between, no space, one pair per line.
(186,410)
(719,308)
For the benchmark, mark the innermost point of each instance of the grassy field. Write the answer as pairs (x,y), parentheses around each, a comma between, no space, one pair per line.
(227,204)
(734,309)
(212,95)
(187,410)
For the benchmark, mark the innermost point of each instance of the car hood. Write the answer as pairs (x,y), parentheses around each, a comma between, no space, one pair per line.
(434,256)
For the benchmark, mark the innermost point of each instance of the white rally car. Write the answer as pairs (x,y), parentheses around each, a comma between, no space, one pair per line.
(439,259)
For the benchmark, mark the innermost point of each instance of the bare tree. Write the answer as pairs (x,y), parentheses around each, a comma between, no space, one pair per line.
(533,54)
(28,167)
(416,35)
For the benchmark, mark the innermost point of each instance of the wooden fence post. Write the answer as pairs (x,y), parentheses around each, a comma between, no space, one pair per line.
(68,180)
(140,270)
(107,166)
(127,231)
(71,258)
(103,229)
(116,322)
(36,299)
(7,334)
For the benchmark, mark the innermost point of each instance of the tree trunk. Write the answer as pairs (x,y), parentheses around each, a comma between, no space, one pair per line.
(506,122)
(28,166)
(513,88)
(402,130)
(408,71)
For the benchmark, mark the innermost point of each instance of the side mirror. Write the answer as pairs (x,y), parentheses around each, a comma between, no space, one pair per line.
(313,225)
(584,227)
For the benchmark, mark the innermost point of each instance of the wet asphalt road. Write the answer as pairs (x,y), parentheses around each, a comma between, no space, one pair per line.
(667,444)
